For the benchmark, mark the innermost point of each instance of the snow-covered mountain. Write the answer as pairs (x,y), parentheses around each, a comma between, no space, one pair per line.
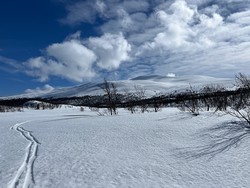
(151,83)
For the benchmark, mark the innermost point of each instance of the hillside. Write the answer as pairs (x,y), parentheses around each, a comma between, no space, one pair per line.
(151,83)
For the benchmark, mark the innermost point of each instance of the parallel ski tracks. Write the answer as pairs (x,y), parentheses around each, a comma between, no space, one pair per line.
(24,176)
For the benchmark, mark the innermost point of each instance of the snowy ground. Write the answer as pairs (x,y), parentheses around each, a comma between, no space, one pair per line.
(66,148)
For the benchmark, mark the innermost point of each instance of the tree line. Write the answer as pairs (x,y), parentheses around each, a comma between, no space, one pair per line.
(210,97)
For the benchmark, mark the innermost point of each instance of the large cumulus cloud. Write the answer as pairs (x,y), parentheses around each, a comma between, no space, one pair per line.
(74,59)
(69,59)
(112,50)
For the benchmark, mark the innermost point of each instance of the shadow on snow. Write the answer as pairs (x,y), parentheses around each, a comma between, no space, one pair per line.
(217,139)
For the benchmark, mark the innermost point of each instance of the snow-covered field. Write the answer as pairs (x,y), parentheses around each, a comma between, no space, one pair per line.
(66,148)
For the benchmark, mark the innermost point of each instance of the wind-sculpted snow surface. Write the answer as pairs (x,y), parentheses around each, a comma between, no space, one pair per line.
(164,149)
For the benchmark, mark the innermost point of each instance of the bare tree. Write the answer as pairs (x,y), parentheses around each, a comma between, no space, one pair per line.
(130,100)
(10,109)
(191,104)
(219,102)
(140,94)
(157,104)
(239,107)
(240,103)
(242,80)
(241,114)
(206,101)
(110,91)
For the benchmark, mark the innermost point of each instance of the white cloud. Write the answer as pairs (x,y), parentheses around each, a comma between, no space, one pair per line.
(10,65)
(191,40)
(100,6)
(75,59)
(45,89)
(111,50)
(179,30)
(70,60)
(133,6)
(211,22)
(88,11)
(10,62)
(171,75)
(181,36)
(85,11)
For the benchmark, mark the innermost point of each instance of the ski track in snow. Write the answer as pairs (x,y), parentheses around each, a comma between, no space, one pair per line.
(24,174)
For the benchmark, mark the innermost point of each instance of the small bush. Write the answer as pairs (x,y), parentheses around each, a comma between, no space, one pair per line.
(241,114)
(191,106)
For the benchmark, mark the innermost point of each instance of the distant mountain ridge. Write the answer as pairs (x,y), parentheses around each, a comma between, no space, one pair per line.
(151,83)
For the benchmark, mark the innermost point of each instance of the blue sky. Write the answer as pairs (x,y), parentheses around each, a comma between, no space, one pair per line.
(45,44)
